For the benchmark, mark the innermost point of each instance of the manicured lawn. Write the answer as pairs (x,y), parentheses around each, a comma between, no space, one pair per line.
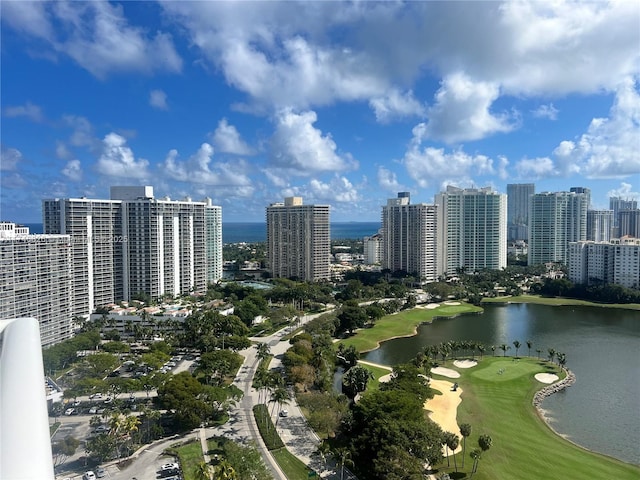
(190,455)
(559,301)
(524,447)
(402,324)
(378,372)
(293,468)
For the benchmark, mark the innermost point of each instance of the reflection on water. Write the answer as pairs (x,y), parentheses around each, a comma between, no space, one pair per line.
(602,410)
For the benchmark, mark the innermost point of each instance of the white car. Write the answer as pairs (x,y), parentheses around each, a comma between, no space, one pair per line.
(89,475)
(284,413)
(169,467)
(69,411)
(95,396)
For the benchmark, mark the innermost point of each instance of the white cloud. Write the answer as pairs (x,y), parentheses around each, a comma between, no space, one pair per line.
(625,191)
(300,148)
(338,189)
(394,105)
(226,138)
(428,165)
(534,168)
(158,99)
(611,146)
(83,135)
(62,151)
(461,111)
(199,169)
(546,111)
(29,110)
(94,34)
(388,180)
(73,170)
(117,159)
(9,159)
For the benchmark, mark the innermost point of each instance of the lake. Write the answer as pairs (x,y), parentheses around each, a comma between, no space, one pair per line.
(601,411)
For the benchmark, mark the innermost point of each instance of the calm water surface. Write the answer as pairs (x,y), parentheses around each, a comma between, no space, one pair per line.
(601,411)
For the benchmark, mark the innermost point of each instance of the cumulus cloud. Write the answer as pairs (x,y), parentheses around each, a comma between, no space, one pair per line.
(534,168)
(388,180)
(200,169)
(73,170)
(338,189)
(28,110)
(302,149)
(546,111)
(429,164)
(610,147)
(96,35)
(118,160)
(396,105)
(461,111)
(82,135)
(226,138)
(158,99)
(625,191)
(9,159)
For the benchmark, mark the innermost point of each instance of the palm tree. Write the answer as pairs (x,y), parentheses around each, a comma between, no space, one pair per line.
(504,347)
(538,351)
(263,350)
(529,345)
(344,456)
(552,354)
(452,442)
(484,442)
(475,454)
(203,471)
(516,344)
(446,441)
(493,350)
(280,397)
(562,359)
(356,379)
(481,349)
(465,431)
(224,471)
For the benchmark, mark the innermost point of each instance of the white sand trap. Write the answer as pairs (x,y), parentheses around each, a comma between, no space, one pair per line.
(465,363)
(431,306)
(385,378)
(445,372)
(443,408)
(452,303)
(546,377)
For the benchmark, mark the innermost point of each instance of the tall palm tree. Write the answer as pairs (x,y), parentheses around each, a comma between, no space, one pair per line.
(562,359)
(493,350)
(465,431)
(475,454)
(517,344)
(504,347)
(203,471)
(280,397)
(529,345)
(552,354)
(224,471)
(263,350)
(343,456)
(481,349)
(452,442)
(539,351)
(484,442)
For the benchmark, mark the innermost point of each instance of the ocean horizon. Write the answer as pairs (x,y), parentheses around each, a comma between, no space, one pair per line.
(253,232)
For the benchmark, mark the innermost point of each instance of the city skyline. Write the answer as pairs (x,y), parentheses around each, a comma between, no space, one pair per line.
(248,103)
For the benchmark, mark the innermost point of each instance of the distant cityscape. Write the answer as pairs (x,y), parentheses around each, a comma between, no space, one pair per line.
(98,252)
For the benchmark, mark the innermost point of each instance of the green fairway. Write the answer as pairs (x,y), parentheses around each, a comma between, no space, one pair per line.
(497,401)
(557,301)
(402,324)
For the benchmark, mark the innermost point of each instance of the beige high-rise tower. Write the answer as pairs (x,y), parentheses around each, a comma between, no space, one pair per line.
(298,240)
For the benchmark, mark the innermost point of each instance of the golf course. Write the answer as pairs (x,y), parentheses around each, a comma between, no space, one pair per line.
(497,401)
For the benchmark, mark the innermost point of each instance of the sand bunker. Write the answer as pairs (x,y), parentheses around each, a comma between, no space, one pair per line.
(445,372)
(431,306)
(443,408)
(465,363)
(452,303)
(546,377)
(385,378)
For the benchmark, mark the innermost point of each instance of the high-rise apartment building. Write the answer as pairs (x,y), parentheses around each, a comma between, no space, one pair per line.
(584,190)
(599,263)
(629,223)
(617,204)
(518,210)
(555,219)
(298,240)
(409,237)
(599,224)
(36,280)
(135,243)
(373,249)
(472,229)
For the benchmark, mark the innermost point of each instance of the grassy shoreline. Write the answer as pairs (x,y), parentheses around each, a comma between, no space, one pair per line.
(559,301)
(403,324)
(524,445)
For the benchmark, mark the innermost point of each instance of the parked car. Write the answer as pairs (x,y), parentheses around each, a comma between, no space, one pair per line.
(101,472)
(108,400)
(89,475)
(93,410)
(284,413)
(169,467)
(70,411)
(102,429)
(95,396)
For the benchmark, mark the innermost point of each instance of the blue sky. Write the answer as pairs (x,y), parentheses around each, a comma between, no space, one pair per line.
(342,103)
